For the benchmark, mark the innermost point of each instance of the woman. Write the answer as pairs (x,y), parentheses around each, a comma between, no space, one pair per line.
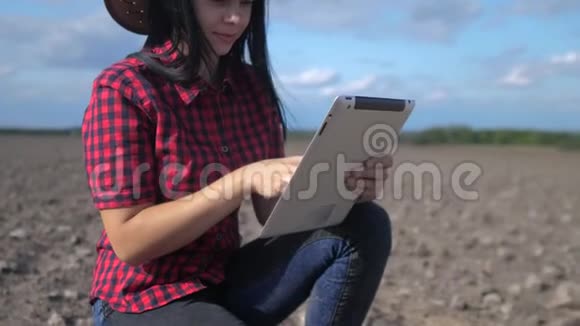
(183,120)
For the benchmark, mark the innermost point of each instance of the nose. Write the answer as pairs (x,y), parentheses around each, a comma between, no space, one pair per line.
(232,18)
(232,15)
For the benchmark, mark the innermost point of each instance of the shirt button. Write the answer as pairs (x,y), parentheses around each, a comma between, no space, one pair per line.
(225,149)
(219,237)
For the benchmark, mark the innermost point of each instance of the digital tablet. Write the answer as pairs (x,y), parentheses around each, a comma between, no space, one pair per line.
(355,128)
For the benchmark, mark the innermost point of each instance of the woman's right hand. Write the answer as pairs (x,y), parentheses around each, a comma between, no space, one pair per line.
(268,178)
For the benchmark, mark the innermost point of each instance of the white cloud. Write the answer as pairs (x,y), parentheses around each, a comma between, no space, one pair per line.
(55,54)
(314,77)
(428,20)
(47,85)
(564,64)
(6,70)
(362,85)
(545,7)
(92,41)
(566,58)
(442,20)
(518,76)
(437,95)
(528,72)
(328,14)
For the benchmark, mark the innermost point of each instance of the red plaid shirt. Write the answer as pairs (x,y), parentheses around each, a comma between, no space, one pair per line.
(148,140)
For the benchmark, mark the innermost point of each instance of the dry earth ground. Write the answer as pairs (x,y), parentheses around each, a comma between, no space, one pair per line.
(509,258)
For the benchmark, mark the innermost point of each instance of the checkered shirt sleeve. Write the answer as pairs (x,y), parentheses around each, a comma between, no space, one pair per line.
(117,137)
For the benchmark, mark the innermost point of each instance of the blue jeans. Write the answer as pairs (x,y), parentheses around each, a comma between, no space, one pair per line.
(337,269)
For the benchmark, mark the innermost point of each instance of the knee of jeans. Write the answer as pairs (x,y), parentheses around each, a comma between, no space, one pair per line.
(372,225)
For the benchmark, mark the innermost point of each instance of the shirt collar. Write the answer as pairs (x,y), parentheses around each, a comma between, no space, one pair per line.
(188,92)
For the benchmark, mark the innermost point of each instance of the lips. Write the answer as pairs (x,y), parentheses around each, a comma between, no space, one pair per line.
(226,37)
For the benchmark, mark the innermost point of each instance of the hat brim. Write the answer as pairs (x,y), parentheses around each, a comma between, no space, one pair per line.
(130,14)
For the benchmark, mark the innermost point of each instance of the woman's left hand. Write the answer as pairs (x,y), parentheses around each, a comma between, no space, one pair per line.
(369,180)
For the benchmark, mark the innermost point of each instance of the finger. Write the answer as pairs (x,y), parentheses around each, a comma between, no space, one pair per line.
(377,173)
(276,179)
(286,179)
(371,193)
(285,168)
(355,184)
(387,161)
(373,188)
(367,174)
(350,183)
(361,184)
(292,169)
(295,159)
(282,181)
(383,161)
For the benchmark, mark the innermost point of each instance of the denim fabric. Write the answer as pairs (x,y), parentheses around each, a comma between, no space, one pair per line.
(99,318)
(337,269)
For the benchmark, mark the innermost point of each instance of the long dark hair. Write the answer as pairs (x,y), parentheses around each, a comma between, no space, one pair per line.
(175,20)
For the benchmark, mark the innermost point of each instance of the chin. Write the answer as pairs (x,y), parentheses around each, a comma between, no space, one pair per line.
(222,52)
(221,49)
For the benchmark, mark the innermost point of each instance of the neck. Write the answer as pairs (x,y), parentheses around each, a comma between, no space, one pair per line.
(209,69)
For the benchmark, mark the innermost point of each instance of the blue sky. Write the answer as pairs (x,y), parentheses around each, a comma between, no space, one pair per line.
(480,63)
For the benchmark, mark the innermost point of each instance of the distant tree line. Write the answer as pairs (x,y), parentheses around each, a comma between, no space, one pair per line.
(467,135)
(431,136)
(40,131)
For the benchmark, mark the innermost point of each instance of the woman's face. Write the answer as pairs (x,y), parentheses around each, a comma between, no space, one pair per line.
(223,21)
